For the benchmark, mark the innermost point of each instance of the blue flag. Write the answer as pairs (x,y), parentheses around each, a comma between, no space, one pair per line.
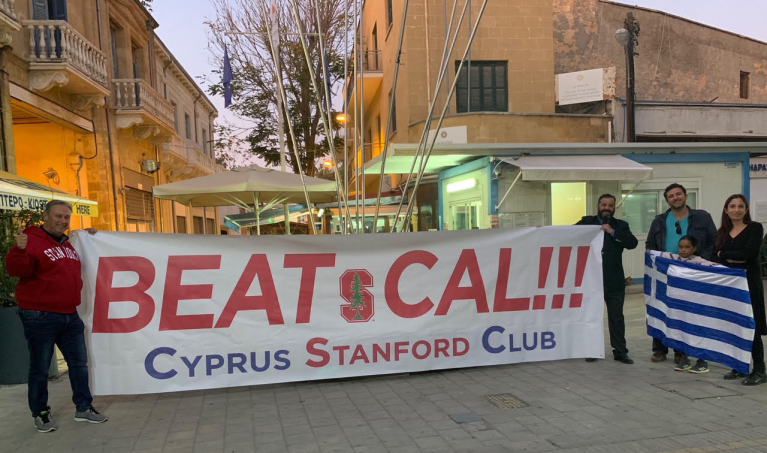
(227,79)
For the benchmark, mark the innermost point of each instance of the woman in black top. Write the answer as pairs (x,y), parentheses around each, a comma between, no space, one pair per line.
(738,242)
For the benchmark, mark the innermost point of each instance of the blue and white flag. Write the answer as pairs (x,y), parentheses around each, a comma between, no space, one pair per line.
(228,77)
(703,311)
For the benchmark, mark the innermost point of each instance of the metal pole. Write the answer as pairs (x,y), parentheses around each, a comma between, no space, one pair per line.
(468,71)
(325,119)
(326,88)
(630,24)
(362,115)
(357,132)
(281,128)
(342,217)
(425,159)
(281,94)
(427,122)
(258,214)
(389,119)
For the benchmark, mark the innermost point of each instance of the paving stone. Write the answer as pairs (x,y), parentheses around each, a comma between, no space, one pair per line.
(600,407)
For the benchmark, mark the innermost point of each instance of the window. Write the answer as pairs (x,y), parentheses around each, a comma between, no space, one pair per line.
(210,225)
(640,207)
(198,224)
(180,224)
(489,90)
(196,137)
(368,145)
(140,210)
(115,65)
(188,125)
(389,14)
(744,82)
(136,58)
(375,37)
(175,116)
(49,9)
(393,113)
(205,141)
(165,90)
(380,132)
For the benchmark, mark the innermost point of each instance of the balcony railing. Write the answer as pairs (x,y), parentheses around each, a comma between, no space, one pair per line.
(136,94)
(201,160)
(371,150)
(6,7)
(55,41)
(190,155)
(370,63)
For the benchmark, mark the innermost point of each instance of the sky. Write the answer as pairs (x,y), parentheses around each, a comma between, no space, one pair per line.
(183,30)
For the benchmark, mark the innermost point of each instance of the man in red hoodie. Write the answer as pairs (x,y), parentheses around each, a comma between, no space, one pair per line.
(48,294)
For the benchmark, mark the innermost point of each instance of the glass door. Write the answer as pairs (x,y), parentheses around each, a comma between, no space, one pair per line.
(466,215)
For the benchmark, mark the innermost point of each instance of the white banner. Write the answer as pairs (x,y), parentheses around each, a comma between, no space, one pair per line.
(180,312)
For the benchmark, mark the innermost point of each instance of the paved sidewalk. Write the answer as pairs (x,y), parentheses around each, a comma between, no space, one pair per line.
(574,406)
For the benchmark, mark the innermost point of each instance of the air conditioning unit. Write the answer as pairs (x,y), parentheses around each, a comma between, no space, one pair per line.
(150,165)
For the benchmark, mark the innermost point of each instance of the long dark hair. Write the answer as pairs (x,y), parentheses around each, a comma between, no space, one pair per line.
(724,230)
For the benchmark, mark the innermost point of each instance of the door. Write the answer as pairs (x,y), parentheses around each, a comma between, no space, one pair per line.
(466,214)
(134,59)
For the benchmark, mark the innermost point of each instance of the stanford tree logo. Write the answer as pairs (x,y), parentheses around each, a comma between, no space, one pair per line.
(353,285)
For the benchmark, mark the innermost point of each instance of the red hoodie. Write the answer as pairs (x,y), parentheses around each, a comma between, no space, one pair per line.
(49,273)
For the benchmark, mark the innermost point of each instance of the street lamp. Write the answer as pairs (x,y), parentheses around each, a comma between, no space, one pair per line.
(628,37)
(341,118)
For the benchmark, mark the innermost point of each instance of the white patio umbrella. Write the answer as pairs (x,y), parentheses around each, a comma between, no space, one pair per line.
(245,186)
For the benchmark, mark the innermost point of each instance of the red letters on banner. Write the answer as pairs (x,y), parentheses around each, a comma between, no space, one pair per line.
(258,267)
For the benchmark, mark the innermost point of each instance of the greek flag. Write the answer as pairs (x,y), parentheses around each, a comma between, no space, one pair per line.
(703,311)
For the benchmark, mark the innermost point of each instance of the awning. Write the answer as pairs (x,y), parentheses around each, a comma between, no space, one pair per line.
(17,193)
(579,168)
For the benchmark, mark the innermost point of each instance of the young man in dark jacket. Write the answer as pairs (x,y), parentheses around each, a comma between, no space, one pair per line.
(618,237)
(48,294)
(666,230)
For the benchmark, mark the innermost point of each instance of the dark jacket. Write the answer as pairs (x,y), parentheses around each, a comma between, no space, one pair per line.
(48,271)
(612,252)
(700,225)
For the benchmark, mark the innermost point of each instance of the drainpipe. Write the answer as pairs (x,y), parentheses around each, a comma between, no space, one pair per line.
(153,82)
(109,127)
(4,108)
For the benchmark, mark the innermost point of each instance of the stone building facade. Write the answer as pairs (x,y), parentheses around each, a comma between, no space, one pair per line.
(95,105)
(505,93)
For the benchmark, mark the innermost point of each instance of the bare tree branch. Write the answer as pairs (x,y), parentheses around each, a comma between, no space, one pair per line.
(241,27)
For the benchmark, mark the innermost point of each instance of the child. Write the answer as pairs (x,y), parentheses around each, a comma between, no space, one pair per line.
(688,245)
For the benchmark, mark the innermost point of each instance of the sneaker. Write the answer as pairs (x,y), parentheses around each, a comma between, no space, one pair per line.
(90,416)
(755,378)
(44,422)
(700,367)
(683,365)
(657,357)
(732,375)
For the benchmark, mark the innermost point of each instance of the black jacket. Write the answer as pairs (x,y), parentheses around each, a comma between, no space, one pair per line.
(612,252)
(700,225)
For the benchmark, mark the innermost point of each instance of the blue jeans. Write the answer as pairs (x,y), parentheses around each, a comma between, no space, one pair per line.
(43,330)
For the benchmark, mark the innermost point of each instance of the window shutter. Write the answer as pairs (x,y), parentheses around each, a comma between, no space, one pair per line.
(57,9)
(140,205)
(40,9)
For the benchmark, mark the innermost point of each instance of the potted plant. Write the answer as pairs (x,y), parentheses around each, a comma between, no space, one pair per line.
(14,356)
